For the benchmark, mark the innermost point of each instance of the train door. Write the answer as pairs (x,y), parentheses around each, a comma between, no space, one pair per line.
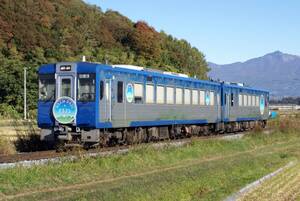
(225,104)
(219,107)
(119,103)
(228,105)
(66,86)
(108,100)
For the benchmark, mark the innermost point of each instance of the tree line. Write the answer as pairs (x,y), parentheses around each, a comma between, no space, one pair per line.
(47,31)
(286,101)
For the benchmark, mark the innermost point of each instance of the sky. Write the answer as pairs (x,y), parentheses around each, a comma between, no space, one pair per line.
(226,31)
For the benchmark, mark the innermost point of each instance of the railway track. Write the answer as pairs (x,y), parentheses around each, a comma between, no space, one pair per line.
(52,155)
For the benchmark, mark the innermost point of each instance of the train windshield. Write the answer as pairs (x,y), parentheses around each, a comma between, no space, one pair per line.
(86,87)
(47,87)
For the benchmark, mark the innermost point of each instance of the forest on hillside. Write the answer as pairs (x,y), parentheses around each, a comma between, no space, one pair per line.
(46,31)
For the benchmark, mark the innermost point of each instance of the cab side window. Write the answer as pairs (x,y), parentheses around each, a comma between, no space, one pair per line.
(231,99)
(120,92)
(101,89)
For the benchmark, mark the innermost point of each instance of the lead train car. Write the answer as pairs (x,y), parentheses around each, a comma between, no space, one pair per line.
(91,103)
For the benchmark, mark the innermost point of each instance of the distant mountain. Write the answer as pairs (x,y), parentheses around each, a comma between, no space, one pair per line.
(277,72)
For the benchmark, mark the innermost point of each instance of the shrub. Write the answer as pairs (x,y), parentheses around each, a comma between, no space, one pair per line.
(32,114)
(288,125)
(8,111)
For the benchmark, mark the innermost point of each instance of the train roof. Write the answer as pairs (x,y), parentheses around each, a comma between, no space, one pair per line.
(245,87)
(50,68)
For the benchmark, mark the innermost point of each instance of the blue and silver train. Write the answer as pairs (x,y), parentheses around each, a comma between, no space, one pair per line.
(95,104)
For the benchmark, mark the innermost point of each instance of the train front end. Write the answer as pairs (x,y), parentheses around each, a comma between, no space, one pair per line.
(67,102)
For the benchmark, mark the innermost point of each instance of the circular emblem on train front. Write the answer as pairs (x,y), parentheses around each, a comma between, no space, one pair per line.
(262,105)
(129,93)
(64,110)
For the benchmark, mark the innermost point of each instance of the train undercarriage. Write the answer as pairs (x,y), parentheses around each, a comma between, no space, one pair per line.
(69,136)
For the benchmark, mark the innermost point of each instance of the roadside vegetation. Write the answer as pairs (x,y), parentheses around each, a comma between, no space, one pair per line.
(203,170)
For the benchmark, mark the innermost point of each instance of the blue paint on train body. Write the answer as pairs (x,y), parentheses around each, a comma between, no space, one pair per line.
(86,115)
(89,113)
(44,115)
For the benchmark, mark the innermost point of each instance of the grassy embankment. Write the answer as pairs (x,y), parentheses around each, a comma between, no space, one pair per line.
(19,135)
(203,170)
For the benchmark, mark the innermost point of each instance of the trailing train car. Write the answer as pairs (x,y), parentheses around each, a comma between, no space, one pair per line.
(96,104)
(243,107)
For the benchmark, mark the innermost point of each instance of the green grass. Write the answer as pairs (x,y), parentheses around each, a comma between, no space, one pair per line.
(203,170)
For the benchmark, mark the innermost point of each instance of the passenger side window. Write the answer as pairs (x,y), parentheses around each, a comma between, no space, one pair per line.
(120,92)
(170,95)
(245,100)
(107,91)
(212,98)
(218,99)
(160,95)
(249,100)
(240,100)
(187,96)
(138,93)
(179,96)
(202,98)
(195,97)
(149,93)
(253,100)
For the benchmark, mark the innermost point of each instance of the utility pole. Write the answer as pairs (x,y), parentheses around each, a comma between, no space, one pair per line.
(25,94)
(106,60)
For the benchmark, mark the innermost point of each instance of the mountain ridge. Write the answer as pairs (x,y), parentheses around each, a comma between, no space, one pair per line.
(277,52)
(275,71)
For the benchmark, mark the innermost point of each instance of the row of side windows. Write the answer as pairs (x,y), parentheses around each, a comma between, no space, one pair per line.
(164,95)
(172,95)
(248,100)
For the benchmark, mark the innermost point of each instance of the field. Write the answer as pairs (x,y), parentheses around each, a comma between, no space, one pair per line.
(13,128)
(203,170)
(284,186)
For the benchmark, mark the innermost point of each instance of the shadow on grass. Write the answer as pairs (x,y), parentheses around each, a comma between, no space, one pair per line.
(31,143)
(28,139)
